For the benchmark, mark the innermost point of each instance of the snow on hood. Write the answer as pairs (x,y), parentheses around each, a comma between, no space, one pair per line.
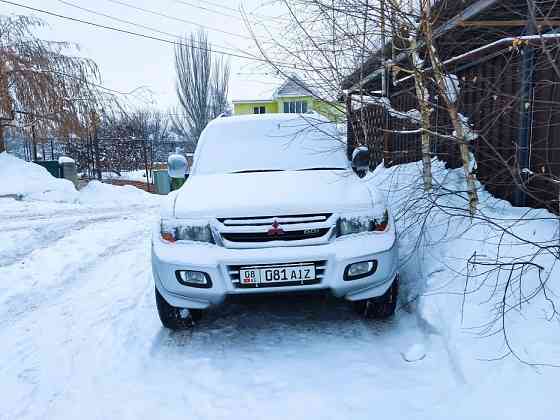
(274,193)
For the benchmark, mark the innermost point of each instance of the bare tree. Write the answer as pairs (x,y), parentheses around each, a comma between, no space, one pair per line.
(42,86)
(129,138)
(421,88)
(449,94)
(202,86)
(405,80)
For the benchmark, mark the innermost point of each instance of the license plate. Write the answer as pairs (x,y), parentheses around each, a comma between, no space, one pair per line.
(281,274)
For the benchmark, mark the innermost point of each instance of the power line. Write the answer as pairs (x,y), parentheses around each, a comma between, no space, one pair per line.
(128,22)
(89,82)
(221,6)
(215,4)
(153,12)
(153,38)
(205,8)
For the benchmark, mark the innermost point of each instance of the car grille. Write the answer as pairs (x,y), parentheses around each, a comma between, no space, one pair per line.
(291,235)
(247,230)
(320,267)
(268,220)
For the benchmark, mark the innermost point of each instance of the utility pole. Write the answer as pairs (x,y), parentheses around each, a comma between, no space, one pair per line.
(384,83)
(2,144)
(94,120)
(34,142)
(5,119)
(350,138)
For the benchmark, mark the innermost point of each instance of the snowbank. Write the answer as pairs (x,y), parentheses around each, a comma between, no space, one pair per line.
(498,324)
(96,192)
(137,175)
(30,182)
(65,159)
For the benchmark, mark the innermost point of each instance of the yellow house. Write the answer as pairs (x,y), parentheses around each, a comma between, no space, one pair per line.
(293,97)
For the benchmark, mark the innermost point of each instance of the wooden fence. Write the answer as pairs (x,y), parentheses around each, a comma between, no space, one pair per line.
(500,108)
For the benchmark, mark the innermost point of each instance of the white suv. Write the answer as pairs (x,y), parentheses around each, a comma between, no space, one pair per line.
(272,205)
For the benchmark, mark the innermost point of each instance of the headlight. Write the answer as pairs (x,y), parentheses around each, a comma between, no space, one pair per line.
(358,224)
(179,230)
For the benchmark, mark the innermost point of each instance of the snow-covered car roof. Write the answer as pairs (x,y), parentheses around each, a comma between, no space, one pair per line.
(269,142)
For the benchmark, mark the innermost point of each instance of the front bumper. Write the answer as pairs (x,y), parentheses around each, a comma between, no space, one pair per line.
(216,261)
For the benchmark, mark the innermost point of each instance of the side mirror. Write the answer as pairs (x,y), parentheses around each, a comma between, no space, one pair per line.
(360,160)
(177,165)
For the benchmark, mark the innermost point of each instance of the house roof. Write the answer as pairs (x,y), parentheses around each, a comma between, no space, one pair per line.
(253,101)
(293,86)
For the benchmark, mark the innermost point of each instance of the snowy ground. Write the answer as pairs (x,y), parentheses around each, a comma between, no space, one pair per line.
(137,175)
(80,337)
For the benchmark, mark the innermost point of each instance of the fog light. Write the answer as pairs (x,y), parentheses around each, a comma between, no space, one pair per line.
(193,278)
(360,269)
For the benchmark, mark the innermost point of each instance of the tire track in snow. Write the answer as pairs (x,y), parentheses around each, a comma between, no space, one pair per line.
(112,315)
(92,341)
(71,314)
(47,279)
(47,233)
(26,217)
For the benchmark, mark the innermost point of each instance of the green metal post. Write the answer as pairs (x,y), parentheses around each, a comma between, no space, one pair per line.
(177,183)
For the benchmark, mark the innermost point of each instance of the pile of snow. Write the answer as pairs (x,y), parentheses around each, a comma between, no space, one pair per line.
(136,175)
(96,192)
(65,159)
(415,353)
(30,182)
(499,325)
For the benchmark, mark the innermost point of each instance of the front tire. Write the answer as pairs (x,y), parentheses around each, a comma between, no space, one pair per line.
(175,318)
(380,307)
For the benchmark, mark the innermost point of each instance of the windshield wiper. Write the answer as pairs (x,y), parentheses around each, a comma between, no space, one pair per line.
(323,168)
(246,171)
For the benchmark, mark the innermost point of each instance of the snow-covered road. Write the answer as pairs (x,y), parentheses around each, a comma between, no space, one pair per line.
(80,336)
(81,339)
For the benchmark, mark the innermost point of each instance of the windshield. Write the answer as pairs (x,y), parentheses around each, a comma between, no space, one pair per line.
(269,143)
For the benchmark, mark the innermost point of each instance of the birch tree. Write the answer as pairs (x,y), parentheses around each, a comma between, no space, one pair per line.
(446,91)
(425,110)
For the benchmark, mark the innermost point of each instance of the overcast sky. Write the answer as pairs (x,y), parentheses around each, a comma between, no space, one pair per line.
(128,62)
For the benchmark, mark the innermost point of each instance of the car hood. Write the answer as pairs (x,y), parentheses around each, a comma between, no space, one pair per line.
(272,193)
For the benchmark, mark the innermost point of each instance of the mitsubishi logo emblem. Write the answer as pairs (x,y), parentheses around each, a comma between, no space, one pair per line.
(275,230)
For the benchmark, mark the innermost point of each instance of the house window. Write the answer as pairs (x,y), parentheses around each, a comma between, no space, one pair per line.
(259,110)
(295,107)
